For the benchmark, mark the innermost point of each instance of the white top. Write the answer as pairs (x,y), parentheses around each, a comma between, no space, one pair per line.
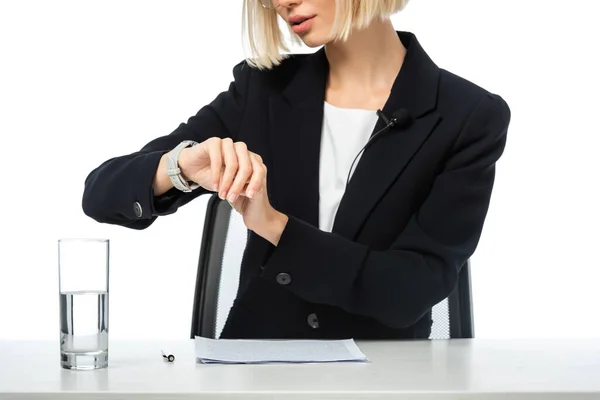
(345,131)
(438,369)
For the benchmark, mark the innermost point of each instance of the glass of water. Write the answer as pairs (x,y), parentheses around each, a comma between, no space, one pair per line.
(83,291)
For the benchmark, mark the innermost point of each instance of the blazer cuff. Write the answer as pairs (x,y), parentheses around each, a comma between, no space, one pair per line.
(166,203)
(315,265)
(145,204)
(138,175)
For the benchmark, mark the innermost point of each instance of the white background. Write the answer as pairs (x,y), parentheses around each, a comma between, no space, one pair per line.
(83,81)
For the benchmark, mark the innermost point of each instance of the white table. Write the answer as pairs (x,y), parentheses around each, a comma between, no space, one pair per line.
(457,369)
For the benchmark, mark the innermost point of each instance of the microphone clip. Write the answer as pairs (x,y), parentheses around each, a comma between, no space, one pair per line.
(385,119)
(389,122)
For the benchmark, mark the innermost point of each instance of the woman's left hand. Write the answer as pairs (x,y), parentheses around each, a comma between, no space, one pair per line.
(253,201)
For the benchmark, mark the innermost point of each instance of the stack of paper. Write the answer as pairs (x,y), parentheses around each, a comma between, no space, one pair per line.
(227,351)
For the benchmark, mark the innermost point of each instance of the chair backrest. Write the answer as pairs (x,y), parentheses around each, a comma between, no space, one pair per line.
(223,241)
(453,316)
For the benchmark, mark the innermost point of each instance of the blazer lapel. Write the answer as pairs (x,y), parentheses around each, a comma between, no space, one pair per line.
(415,89)
(296,117)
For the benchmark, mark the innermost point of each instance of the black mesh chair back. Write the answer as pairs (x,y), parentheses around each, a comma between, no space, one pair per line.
(223,242)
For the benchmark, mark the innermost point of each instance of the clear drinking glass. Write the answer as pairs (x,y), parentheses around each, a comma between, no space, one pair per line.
(83,266)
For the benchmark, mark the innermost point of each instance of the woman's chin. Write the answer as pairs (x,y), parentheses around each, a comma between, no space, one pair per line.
(313,40)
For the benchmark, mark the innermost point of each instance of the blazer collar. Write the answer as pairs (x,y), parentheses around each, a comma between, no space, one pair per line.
(296,115)
(415,87)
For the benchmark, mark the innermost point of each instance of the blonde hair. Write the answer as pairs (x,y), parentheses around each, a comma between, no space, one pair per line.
(266,40)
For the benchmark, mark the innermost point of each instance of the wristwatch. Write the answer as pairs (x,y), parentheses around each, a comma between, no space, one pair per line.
(174,171)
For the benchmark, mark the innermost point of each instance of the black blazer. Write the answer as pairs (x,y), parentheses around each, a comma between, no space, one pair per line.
(410,218)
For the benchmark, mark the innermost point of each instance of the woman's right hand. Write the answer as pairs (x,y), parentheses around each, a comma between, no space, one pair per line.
(222,166)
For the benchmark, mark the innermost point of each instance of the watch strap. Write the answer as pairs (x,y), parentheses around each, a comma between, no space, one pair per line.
(174,171)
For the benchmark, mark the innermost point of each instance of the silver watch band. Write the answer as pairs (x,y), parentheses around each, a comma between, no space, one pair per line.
(174,171)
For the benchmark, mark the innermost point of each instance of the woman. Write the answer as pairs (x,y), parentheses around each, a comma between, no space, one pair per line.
(327,257)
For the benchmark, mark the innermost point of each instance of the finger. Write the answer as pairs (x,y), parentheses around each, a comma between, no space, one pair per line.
(264,185)
(244,171)
(257,181)
(216,161)
(231,167)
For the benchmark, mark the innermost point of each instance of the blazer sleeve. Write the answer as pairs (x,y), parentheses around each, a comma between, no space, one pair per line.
(400,285)
(112,189)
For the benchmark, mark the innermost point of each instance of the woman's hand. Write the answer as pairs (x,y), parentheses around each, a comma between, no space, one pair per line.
(259,216)
(239,176)
(203,163)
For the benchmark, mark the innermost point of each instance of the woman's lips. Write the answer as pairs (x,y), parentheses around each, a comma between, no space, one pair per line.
(303,27)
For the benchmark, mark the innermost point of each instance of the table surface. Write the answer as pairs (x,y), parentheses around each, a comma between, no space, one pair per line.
(456,369)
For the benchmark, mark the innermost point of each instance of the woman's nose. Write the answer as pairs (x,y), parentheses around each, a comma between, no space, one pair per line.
(288,3)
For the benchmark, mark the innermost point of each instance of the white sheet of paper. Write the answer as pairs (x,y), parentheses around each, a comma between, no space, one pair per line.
(243,351)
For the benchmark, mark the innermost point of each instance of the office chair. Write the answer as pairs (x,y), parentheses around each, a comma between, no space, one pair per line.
(223,242)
